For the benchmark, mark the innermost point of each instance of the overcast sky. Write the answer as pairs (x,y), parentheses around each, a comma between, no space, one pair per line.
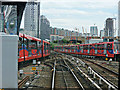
(69,14)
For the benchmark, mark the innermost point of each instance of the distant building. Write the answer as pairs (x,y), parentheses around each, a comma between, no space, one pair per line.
(32,19)
(94,30)
(86,34)
(60,33)
(119,18)
(44,28)
(56,34)
(95,40)
(109,29)
(101,33)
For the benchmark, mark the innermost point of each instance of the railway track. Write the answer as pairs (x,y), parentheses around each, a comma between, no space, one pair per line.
(107,69)
(110,66)
(87,84)
(99,80)
(65,73)
(67,79)
(23,81)
(109,75)
(64,78)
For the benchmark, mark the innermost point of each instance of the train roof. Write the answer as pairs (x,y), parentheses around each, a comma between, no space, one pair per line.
(29,37)
(46,42)
(87,44)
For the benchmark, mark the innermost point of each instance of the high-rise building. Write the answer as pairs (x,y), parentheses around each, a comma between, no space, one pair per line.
(94,30)
(44,28)
(101,33)
(119,18)
(32,19)
(109,28)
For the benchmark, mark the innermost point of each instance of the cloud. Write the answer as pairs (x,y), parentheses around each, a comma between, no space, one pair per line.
(77,13)
(82,3)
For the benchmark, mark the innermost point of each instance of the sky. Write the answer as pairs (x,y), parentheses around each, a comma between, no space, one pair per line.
(71,14)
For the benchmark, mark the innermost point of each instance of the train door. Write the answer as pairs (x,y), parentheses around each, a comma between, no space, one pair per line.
(79,49)
(49,48)
(23,48)
(34,47)
(110,52)
(45,48)
(105,49)
(82,49)
(40,48)
(117,50)
(96,47)
(88,49)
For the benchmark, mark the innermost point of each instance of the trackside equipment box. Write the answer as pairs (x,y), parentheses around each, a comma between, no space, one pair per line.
(8,61)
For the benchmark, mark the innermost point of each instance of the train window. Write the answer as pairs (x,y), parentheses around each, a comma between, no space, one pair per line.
(86,47)
(95,47)
(109,46)
(32,45)
(98,47)
(83,47)
(76,48)
(102,46)
(117,46)
(90,47)
(79,47)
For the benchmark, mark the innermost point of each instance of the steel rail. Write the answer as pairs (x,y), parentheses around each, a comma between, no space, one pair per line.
(110,84)
(64,77)
(53,77)
(74,76)
(113,72)
(96,85)
(23,81)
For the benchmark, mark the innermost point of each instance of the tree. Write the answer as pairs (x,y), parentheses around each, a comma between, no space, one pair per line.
(65,41)
(55,41)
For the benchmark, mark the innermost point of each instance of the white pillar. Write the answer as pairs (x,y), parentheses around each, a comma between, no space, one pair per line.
(8,61)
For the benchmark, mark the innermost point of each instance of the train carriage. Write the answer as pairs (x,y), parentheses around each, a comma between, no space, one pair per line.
(102,50)
(46,48)
(31,48)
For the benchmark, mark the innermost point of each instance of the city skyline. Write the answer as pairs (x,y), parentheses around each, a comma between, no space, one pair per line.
(78,13)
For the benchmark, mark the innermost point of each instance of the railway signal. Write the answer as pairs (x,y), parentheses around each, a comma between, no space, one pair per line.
(38,63)
(21,73)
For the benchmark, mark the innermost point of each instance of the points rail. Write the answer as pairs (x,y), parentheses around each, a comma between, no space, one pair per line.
(74,76)
(23,81)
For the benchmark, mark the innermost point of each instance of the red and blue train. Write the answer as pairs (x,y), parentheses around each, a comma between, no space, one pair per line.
(105,50)
(30,48)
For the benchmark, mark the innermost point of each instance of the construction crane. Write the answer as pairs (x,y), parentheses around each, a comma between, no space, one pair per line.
(83,32)
(83,29)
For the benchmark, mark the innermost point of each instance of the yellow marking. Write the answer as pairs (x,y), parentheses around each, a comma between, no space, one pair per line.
(106,59)
(33,68)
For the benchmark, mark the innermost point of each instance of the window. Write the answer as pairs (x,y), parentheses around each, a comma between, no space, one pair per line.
(109,46)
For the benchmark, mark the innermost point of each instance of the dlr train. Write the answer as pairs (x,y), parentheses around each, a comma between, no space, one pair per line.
(30,48)
(104,50)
